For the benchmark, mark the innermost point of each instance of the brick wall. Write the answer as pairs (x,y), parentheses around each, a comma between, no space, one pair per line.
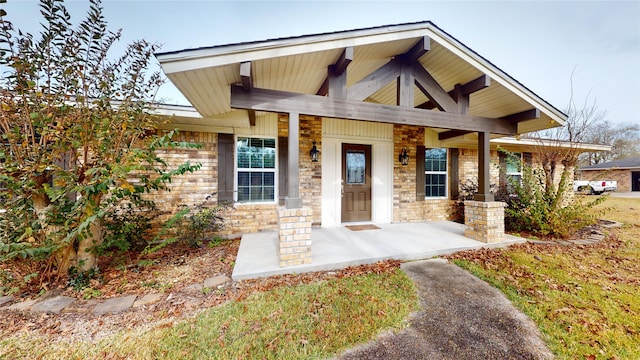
(623,177)
(190,188)
(405,206)
(439,209)
(468,163)
(193,188)
(250,218)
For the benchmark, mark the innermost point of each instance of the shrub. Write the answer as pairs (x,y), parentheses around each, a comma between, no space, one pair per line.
(533,207)
(193,225)
(128,228)
(201,223)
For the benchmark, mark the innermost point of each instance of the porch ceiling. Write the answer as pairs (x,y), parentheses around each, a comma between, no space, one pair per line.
(299,65)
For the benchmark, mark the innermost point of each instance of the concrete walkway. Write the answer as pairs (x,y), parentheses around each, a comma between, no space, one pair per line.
(338,247)
(631,194)
(461,317)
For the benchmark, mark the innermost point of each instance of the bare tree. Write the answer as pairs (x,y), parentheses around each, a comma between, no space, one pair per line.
(625,139)
(560,145)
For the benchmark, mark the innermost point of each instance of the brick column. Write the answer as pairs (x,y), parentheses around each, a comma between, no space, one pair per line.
(294,236)
(484,220)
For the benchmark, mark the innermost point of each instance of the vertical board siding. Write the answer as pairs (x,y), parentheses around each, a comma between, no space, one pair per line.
(431,139)
(266,125)
(361,129)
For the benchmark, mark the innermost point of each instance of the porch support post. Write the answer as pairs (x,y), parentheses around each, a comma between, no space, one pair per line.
(484,189)
(484,217)
(293,201)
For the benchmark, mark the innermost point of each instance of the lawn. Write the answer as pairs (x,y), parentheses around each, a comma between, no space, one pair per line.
(584,299)
(310,321)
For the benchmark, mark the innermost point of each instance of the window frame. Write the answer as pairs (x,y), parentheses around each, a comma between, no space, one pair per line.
(432,172)
(514,156)
(237,169)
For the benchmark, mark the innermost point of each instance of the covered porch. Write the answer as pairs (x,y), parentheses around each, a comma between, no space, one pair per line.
(339,247)
(335,128)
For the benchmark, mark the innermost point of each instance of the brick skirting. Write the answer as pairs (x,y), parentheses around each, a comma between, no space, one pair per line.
(484,220)
(294,236)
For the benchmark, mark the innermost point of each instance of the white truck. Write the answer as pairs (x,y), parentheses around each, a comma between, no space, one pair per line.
(594,187)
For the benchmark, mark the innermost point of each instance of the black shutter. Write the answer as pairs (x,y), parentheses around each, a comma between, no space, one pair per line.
(502,158)
(454,174)
(528,159)
(283,163)
(420,180)
(225,167)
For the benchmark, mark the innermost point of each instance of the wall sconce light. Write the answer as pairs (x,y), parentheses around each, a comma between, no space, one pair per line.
(404,157)
(314,152)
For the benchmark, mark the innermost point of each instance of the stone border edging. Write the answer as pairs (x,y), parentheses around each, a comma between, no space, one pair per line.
(117,305)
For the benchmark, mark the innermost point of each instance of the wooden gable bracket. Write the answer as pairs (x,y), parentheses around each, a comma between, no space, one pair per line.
(394,69)
(313,105)
(530,114)
(420,48)
(337,70)
(467,89)
(247,85)
(375,81)
(430,87)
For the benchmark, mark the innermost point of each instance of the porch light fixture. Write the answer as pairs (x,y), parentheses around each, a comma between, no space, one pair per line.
(404,157)
(314,152)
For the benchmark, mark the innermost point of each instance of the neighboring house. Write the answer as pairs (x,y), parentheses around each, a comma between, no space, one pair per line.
(626,172)
(398,115)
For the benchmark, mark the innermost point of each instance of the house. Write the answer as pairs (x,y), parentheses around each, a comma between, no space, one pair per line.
(373,125)
(626,172)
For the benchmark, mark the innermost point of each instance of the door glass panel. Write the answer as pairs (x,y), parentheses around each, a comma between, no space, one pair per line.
(355,167)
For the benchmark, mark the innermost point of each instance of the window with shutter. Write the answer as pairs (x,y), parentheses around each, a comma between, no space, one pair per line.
(225,167)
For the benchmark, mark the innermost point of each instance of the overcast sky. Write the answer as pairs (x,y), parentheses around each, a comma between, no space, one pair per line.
(538,43)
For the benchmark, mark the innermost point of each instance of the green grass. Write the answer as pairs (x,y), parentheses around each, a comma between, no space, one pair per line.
(585,300)
(303,322)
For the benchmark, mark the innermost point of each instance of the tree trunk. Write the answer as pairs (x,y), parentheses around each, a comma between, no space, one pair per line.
(64,258)
(40,202)
(86,258)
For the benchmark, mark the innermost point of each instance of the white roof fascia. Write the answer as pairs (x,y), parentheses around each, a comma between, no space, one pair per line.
(549,143)
(225,55)
(180,111)
(496,74)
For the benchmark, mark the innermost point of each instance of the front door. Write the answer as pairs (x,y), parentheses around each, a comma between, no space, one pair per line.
(635,181)
(356,182)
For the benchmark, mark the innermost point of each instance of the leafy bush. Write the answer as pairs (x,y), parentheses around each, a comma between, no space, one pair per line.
(201,222)
(128,228)
(70,160)
(191,224)
(535,208)
(79,280)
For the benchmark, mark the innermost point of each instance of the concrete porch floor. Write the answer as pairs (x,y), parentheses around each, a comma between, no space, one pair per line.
(338,247)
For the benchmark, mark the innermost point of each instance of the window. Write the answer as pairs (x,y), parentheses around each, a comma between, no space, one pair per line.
(435,170)
(256,164)
(514,168)
(356,167)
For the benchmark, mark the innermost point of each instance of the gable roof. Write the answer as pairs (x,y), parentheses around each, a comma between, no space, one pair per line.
(299,64)
(630,163)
